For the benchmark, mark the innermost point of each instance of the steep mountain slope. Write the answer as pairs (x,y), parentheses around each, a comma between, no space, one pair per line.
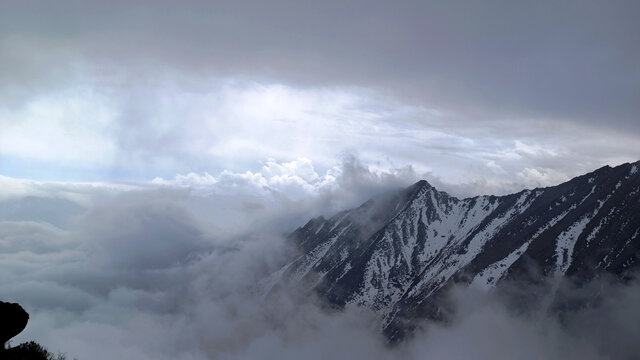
(397,253)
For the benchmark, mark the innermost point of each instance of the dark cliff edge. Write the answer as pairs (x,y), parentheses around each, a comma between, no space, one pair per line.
(14,321)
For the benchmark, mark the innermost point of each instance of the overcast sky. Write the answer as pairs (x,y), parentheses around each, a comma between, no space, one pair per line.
(497,94)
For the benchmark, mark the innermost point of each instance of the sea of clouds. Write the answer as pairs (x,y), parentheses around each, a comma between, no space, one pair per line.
(167,270)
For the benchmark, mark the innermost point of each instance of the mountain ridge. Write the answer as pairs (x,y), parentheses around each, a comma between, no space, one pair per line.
(396,253)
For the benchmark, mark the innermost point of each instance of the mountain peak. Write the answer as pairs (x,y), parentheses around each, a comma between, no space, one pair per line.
(416,187)
(422,183)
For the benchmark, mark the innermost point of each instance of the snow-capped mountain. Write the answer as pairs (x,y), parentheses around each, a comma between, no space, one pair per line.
(396,252)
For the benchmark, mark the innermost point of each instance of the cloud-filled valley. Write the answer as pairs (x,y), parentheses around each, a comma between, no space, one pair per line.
(137,274)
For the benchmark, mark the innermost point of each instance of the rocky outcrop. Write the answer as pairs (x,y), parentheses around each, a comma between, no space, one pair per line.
(14,320)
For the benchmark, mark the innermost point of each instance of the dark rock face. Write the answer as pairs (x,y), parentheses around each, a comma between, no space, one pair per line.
(398,254)
(13,320)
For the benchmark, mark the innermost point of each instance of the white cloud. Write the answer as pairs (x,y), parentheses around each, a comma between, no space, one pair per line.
(69,127)
(541,177)
(294,180)
(533,149)
(116,130)
(189,180)
(79,192)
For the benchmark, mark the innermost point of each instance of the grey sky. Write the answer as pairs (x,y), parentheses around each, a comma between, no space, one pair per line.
(573,60)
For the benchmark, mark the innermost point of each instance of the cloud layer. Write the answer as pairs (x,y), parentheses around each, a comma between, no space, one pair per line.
(153,272)
(162,131)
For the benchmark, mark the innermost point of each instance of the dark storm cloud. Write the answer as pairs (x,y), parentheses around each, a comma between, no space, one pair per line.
(574,60)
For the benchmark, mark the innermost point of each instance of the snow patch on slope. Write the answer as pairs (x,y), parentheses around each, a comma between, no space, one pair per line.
(440,272)
(488,277)
(306,262)
(566,241)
